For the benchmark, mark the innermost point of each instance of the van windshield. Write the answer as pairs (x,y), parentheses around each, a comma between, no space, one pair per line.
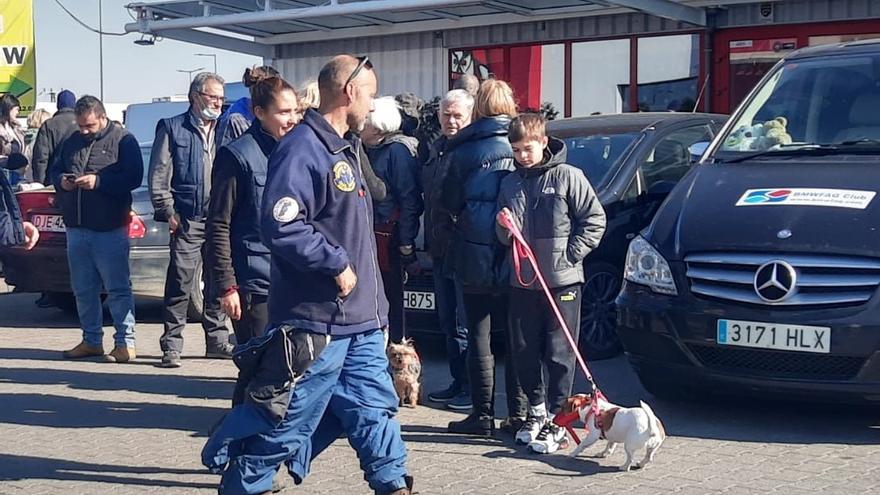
(811,103)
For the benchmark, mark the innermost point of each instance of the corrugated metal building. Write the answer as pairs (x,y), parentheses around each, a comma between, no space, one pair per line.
(582,56)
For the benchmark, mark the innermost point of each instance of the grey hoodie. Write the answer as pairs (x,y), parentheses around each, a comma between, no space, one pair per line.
(559,215)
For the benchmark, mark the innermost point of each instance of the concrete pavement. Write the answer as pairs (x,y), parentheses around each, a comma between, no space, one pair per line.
(85,427)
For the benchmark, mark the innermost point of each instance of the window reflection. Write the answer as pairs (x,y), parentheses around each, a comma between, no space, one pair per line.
(669,72)
(599,76)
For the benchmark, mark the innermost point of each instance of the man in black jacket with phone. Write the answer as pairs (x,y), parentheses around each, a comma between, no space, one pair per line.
(99,166)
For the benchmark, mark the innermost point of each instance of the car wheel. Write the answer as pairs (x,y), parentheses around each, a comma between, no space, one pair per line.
(598,338)
(196,308)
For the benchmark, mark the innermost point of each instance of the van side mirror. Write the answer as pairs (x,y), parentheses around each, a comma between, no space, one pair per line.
(697,149)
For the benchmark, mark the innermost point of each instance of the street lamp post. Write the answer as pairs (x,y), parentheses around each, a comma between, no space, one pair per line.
(190,73)
(212,55)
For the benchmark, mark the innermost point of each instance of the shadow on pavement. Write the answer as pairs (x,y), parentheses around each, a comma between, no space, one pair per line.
(438,435)
(68,412)
(580,466)
(15,467)
(180,385)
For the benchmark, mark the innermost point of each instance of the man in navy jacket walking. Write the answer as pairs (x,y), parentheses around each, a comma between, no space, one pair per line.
(321,370)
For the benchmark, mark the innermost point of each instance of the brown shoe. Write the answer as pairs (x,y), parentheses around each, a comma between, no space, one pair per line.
(121,354)
(83,350)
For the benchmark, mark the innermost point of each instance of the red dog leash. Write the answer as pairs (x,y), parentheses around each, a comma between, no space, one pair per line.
(522,250)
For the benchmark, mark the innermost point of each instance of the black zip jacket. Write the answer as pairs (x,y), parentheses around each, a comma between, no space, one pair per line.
(115,157)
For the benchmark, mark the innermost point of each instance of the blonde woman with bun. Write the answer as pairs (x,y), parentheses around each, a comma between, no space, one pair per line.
(480,156)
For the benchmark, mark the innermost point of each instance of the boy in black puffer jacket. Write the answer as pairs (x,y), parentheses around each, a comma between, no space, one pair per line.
(562,220)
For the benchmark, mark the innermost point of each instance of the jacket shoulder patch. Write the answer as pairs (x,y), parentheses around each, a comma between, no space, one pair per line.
(285,209)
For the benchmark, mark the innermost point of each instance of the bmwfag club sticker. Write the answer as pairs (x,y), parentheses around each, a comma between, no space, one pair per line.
(832,198)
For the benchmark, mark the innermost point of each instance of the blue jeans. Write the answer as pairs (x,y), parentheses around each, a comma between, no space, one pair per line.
(96,260)
(453,323)
(346,390)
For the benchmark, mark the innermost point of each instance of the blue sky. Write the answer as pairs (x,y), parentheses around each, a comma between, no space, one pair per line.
(67,55)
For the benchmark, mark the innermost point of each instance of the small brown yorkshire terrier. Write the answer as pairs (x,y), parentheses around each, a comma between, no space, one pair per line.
(406,370)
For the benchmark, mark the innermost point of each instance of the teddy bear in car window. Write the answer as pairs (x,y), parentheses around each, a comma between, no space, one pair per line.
(760,137)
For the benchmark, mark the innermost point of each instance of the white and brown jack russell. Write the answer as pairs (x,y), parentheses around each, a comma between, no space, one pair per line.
(636,428)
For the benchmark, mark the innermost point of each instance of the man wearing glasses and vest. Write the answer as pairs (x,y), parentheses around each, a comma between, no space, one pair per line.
(321,371)
(180,186)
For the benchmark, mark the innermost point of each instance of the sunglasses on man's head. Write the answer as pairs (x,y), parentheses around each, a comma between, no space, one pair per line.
(362,63)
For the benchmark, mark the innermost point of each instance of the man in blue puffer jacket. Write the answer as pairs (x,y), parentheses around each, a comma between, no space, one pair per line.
(321,370)
(480,157)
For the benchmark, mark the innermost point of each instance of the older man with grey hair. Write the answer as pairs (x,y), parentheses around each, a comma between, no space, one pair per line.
(180,183)
(456,108)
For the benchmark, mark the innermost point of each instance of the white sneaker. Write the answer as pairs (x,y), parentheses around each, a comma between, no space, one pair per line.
(551,438)
(530,429)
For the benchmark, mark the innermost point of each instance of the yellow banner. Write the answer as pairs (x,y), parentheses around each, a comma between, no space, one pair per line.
(18,63)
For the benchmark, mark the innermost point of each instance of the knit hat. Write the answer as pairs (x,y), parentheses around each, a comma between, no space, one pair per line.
(66,99)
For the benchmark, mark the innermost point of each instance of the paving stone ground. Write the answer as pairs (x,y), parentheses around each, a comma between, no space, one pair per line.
(93,428)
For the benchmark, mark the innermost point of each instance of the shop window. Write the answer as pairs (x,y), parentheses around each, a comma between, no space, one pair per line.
(668,72)
(535,72)
(599,76)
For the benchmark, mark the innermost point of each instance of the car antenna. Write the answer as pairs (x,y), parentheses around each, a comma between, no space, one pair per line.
(700,96)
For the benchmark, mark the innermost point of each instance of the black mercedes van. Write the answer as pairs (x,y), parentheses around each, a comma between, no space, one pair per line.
(760,272)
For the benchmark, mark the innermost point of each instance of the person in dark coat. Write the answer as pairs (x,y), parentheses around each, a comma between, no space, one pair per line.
(321,370)
(97,169)
(51,136)
(394,157)
(480,157)
(234,252)
(456,109)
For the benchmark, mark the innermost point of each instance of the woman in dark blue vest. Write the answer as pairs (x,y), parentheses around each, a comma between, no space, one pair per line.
(236,256)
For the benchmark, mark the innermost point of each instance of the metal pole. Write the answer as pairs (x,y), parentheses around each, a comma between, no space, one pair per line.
(212,55)
(101,47)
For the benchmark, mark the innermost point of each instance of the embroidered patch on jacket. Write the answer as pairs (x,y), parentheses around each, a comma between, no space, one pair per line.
(285,209)
(343,177)
(568,297)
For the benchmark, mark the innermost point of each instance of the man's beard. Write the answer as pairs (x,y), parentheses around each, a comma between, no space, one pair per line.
(355,124)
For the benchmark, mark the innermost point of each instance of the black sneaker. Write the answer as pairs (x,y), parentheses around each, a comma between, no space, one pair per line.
(444,395)
(461,402)
(222,352)
(512,424)
(170,359)
(473,425)
(551,438)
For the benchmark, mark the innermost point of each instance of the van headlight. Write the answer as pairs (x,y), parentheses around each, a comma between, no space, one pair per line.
(645,266)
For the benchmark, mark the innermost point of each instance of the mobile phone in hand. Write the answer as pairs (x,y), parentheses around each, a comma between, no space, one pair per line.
(69,177)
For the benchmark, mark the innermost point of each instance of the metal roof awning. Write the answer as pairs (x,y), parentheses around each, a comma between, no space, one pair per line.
(254,26)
